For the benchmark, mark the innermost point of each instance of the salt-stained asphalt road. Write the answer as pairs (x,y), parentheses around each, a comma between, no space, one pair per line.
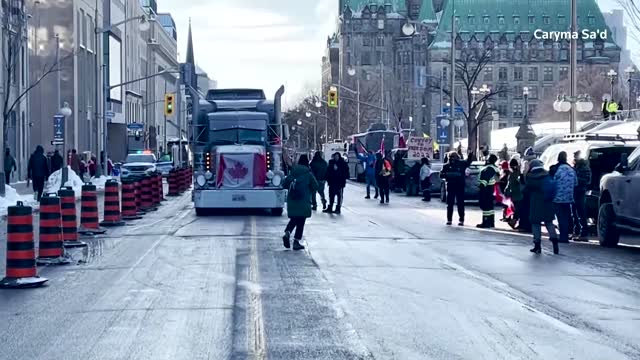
(377,282)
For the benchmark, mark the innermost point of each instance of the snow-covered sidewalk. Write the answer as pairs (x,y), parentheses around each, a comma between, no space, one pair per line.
(12,197)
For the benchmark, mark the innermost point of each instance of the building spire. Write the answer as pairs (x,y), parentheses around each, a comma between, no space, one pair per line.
(190,59)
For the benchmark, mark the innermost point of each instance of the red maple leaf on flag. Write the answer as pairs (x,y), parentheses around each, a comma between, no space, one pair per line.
(238,171)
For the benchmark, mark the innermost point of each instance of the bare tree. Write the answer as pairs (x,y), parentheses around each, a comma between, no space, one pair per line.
(632,10)
(468,68)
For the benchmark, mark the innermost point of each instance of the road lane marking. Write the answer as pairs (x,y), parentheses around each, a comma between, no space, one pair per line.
(256,336)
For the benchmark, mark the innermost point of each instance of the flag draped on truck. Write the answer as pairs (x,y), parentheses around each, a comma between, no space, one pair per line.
(241,171)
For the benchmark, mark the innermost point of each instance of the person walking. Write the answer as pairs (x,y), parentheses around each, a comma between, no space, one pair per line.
(337,175)
(38,171)
(56,161)
(425,179)
(9,166)
(487,181)
(74,162)
(301,184)
(565,183)
(539,187)
(505,171)
(369,162)
(583,173)
(319,171)
(514,192)
(454,173)
(383,171)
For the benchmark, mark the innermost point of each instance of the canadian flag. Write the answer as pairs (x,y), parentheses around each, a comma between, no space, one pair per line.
(500,198)
(241,171)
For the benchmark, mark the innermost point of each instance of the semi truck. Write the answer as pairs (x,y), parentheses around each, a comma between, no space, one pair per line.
(237,151)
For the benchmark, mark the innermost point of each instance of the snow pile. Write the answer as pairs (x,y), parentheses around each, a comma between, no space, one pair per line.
(55,181)
(100,182)
(11,197)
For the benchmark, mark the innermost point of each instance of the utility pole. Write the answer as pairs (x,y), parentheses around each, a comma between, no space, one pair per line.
(106,22)
(179,118)
(358,106)
(166,151)
(97,87)
(573,66)
(382,93)
(452,109)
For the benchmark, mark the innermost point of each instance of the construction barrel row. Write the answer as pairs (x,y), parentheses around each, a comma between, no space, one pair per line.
(59,224)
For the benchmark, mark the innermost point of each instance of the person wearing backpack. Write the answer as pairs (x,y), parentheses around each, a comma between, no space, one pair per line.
(301,184)
(383,177)
(537,187)
(337,175)
(565,181)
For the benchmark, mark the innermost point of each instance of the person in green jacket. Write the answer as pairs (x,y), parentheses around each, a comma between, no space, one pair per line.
(301,184)
(514,191)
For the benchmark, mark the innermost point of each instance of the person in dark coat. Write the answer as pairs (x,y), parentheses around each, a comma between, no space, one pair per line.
(487,180)
(503,182)
(56,161)
(319,171)
(579,208)
(337,175)
(454,173)
(301,184)
(9,165)
(540,209)
(383,177)
(38,170)
(74,162)
(514,191)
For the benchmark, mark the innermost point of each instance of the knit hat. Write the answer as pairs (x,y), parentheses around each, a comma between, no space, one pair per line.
(504,165)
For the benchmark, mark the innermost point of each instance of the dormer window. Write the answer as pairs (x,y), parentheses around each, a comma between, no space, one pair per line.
(486,19)
(532,19)
(500,20)
(516,20)
(546,20)
(457,20)
(471,19)
(592,20)
(561,20)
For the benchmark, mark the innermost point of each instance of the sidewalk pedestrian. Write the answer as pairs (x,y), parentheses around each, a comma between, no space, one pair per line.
(301,185)
(524,226)
(369,162)
(74,162)
(505,171)
(583,173)
(56,161)
(514,192)
(9,165)
(383,177)
(487,180)
(565,180)
(38,171)
(319,171)
(454,173)
(337,175)
(537,185)
(425,179)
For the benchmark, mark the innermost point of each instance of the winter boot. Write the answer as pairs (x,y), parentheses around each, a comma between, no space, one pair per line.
(297,245)
(492,221)
(537,249)
(556,248)
(285,239)
(328,209)
(485,223)
(314,207)
(324,205)
(337,210)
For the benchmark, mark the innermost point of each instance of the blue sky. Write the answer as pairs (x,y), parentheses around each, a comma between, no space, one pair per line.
(263,44)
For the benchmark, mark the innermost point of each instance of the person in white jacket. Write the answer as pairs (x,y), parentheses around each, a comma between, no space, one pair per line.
(425,179)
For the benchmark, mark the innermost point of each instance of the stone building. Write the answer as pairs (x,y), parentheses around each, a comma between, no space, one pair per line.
(369,37)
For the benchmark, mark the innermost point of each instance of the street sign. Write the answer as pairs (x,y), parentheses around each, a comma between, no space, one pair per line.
(135,126)
(58,129)
(110,114)
(443,132)
(459,110)
(55,143)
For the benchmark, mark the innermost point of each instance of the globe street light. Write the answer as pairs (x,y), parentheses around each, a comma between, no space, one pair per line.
(612,75)
(318,104)
(299,122)
(65,111)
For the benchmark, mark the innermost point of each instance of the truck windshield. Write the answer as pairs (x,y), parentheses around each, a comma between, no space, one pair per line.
(238,136)
(140,158)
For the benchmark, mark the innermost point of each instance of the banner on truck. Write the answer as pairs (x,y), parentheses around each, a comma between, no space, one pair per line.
(419,147)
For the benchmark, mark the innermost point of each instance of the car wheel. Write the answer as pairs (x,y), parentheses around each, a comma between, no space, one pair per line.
(443,193)
(277,211)
(608,232)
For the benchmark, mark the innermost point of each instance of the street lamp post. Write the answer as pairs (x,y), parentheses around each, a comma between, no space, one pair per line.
(612,74)
(565,103)
(352,72)
(630,71)
(315,130)
(525,136)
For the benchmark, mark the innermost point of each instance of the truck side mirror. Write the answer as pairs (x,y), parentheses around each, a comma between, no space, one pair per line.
(285,131)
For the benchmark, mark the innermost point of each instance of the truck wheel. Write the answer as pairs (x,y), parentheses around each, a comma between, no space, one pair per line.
(201,212)
(443,193)
(608,232)
(277,211)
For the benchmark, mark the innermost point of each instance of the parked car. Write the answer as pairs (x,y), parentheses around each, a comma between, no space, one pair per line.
(140,163)
(619,209)
(471,187)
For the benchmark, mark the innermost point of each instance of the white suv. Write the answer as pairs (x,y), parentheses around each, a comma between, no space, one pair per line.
(619,201)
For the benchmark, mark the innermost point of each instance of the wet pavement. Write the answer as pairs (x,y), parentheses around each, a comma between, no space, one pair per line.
(377,282)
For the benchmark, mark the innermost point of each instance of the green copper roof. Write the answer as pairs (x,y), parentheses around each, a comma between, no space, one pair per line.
(516,17)
(398,6)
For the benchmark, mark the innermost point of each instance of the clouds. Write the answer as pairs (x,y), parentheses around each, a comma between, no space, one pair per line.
(257,43)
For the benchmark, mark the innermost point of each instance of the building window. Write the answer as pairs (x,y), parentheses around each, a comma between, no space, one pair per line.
(89,29)
(516,20)
(532,19)
(561,20)
(532,110)
(533,74)
(548,73)
(517,110)
(502,125)
(348,58)
(23,67)
(517,92)
(366,41)
(348,40)
(366,58)
(379,57)
(533,92)
(501,20)
(486,19)
(488,73)
(517,73)
(548,55)
(592,20)
(546,20)
(564,55)
(472,20)
(380,40)
(457,20)
(502,109)
(547,91)
(564,73)
(503,74)
(81,27)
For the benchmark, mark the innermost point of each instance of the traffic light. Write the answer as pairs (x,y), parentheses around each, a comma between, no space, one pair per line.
(333,97)
(168,104)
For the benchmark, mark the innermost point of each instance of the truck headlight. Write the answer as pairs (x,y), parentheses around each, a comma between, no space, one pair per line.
(200,180)
(270,174)
(276,180)
(208,175)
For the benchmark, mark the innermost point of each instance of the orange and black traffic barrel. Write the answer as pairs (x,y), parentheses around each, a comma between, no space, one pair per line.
(51,250)
(183,182)
(21,252)
(138,191)
(173,183)
(69,218)
(112,216)
(129,207)
(89,218)
(154,189)
(147,194)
